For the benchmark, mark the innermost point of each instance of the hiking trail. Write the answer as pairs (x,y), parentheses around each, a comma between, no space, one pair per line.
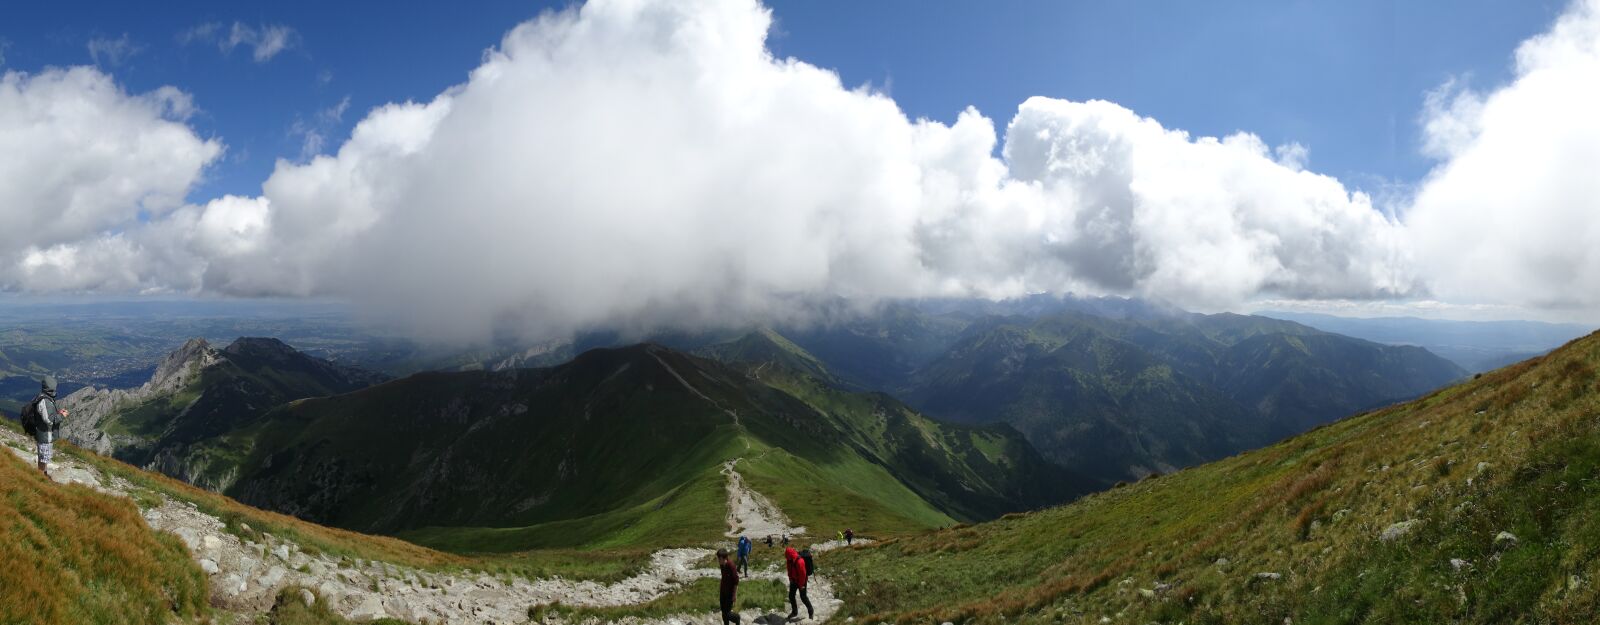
(246,575)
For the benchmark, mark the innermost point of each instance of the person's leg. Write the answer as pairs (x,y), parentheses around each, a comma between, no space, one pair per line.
(794,608)
(46,453)
(810,613)
(729,616)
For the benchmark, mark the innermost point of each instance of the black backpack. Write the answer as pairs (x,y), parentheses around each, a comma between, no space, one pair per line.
(30,417)
(811,564)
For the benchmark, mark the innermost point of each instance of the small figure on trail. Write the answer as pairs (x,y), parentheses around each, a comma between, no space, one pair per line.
(841,536)
(798,575)
(42,418)
(744,555)
(769,540)
(730,586)
(786,540)
(849,537)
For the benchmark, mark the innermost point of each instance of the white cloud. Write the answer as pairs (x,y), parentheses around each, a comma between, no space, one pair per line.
(107,51)
(1511,214)
(639,163)
(649,162)
(80,157)
(264,41)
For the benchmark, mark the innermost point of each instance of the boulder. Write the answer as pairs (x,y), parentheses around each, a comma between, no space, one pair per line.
(1398,530)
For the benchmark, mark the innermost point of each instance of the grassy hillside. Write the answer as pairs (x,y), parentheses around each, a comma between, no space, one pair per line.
(71,555)
(1475,504)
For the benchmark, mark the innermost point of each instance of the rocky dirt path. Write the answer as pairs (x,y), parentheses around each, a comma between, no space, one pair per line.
(750,513)
(247,575)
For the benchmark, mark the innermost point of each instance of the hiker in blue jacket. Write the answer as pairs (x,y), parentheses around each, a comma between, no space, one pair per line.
(744,555)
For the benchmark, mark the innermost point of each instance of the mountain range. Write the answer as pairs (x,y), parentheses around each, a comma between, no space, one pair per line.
(574,455)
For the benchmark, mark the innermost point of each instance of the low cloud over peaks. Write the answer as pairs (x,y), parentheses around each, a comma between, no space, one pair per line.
(652,163)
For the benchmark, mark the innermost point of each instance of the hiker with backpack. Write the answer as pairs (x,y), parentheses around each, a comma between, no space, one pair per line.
(799,574)
(730,585)
(41,418)
(849,537)
(745,546)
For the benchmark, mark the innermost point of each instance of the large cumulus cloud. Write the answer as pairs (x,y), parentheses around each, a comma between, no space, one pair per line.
(1512,212)
(650,163)
(81,158)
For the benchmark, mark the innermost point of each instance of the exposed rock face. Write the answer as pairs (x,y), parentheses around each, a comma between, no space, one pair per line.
(198,392)
(89,406)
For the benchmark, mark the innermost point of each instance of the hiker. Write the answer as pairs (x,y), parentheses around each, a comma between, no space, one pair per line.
(849,537)
(798,574)
(841,536)
(744,555)
(769,541)
(786,540)
(42,418)
(730,585)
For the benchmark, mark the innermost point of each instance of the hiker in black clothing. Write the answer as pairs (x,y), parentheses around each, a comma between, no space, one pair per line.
(730,587)
(42,418)
(769,540)
(849,537)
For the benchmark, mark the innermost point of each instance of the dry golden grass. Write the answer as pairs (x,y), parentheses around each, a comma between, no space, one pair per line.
(71,555)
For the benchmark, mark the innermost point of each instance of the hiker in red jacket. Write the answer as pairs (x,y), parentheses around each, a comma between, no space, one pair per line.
(797,583)
(730,587)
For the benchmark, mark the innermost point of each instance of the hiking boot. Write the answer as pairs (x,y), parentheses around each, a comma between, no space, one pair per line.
(45,468)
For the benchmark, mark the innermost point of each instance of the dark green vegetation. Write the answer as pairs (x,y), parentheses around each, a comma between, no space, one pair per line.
(1116,398)
(181,420)
(1475,504)
(71,555)
(624,448)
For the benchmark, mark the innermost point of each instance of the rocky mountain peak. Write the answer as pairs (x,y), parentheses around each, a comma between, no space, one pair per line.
(176,368)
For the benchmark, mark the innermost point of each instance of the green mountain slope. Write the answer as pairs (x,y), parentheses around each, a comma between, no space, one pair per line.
(975,471)
(197,394)
(1122,398)
(622,447)
(1474,504)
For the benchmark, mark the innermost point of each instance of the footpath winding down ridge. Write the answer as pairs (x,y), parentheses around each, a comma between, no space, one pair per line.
(246,576)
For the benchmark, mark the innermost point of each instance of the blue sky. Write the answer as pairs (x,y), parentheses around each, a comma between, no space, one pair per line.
(1346,79)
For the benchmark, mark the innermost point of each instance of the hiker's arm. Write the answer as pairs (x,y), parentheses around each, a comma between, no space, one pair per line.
(51,412)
